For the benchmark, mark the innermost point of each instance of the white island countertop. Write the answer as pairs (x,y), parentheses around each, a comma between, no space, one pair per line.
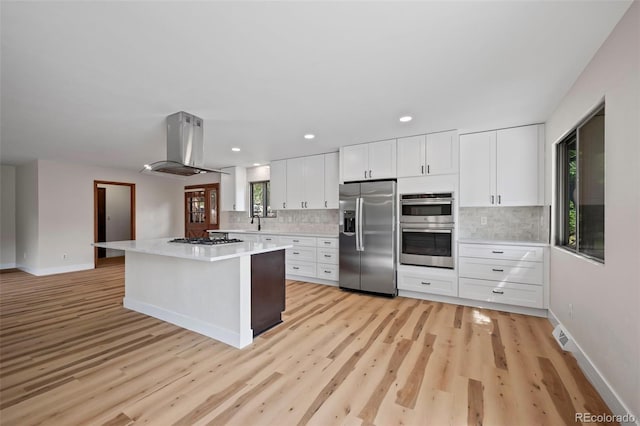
(162,247)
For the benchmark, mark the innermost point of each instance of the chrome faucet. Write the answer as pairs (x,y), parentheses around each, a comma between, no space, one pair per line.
(255,215)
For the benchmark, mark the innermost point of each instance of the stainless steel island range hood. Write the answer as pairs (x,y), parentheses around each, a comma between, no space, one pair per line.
(185,147)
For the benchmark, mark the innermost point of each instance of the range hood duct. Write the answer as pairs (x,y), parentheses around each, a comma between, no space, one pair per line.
(185,147)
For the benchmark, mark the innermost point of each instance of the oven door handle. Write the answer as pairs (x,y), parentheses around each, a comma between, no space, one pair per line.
(428,231)
(437,201)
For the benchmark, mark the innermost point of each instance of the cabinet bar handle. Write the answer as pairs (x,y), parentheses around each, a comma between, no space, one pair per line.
(325,204)
(492,199)
(305,204)
(497,292)
(499,199)
(302,204)
(296,241)
(497,252)
(327,242)
(327,255)
(428,169)
(369,174)
(295,267)
(497,270)
(421,169)
(284,205)
(425,283)
(234,206)
(327,272)
(365,174)
(296,252)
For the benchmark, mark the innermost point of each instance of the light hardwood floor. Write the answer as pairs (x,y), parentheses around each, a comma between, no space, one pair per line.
(71,354)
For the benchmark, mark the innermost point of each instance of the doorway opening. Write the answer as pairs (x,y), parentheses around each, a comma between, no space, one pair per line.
(114,218)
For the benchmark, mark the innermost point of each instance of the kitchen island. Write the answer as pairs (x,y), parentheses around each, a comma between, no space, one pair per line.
(229,292)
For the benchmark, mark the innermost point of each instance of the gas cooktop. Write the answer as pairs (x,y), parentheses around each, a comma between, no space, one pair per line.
(205,241)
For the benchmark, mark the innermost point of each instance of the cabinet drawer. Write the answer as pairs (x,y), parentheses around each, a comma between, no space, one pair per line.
(502,270)
(508,293)
(252,238)
(301,253)
(526,253)
(327,256)
(425,284)
(327,271)
(299,241)
(269,239)
(298,267)
(328,242)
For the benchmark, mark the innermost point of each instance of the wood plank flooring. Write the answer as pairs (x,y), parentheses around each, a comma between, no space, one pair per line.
(71,354)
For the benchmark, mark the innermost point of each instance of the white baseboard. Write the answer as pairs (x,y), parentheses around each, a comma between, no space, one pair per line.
(474,303)
(312,280)
(7,265)
(596,378)
(39,272)
(221,334)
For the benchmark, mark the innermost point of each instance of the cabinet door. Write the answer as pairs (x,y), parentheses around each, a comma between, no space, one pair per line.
(441,153)
(278,180)
(233,184)
(355,162)
(331,183)
(313,196)
(295,183)
(518,166)
(411,156)
(477,169)
(382,159)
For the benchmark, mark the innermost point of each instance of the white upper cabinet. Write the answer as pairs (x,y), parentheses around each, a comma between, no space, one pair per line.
(233,183)
(519,156)
(376,160)
(305,182)
(331,180)
(278,195)
(502,168)
(432,154)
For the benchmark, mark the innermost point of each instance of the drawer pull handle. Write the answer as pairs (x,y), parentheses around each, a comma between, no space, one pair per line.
(425,283)
(327,255)
(497,252)
(327,272)
(296,241)
(295,267)
(497,270)
(296,252)
(327,242)
(498,292)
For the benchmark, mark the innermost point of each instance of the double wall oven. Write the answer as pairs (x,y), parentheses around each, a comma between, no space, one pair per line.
(427,230)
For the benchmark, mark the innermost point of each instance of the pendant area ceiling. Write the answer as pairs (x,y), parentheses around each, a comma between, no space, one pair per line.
(92,82)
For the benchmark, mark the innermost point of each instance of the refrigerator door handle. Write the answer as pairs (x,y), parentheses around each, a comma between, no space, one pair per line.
(361,201)
(357,224)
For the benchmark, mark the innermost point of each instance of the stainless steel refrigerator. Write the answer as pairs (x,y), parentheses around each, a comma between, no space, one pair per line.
(368,237)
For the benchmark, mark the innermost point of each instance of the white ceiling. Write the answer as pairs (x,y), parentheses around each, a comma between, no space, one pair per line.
(93,82)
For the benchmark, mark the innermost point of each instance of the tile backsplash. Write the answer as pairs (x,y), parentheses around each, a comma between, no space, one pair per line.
(311,221)
(505,223)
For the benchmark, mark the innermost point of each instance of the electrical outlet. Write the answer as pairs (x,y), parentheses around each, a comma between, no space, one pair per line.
(483,220)
(570,310)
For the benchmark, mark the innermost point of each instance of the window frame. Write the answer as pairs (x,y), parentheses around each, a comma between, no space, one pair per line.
(265,199)
(562,193)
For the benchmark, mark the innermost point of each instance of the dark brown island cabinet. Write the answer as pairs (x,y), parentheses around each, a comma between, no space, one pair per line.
(267,290)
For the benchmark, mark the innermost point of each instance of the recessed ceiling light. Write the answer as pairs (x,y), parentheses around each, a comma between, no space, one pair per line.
(406,118)
(309,136)
(256,164)
(235,149)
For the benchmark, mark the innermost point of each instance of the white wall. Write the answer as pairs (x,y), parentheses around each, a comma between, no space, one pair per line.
(27,216)
(65,224)
(7,217)
(606,298)
(118,215)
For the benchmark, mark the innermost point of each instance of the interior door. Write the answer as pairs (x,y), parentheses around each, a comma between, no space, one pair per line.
(202,205)
(102,221)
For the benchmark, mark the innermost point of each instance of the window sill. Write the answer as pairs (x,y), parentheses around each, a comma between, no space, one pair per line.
(580,256)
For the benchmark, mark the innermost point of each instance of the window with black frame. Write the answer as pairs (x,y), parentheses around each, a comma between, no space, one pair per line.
(580,188)
(260,199)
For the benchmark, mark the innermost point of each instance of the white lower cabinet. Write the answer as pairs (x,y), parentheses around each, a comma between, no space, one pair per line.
(427,280)
(509,274)
(312,257)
